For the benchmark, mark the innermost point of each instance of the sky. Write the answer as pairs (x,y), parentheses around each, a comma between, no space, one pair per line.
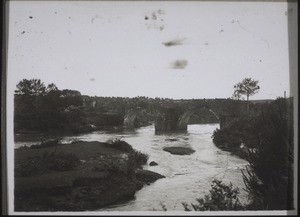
(154,49)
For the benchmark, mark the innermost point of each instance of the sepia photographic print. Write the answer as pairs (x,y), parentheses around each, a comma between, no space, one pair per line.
(151,107)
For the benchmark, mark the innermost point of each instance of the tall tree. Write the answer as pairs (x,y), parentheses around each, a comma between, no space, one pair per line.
(247,87)
(237,96)
(32,87)
(51,87)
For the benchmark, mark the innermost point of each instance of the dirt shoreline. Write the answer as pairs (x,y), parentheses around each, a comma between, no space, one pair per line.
(102,174)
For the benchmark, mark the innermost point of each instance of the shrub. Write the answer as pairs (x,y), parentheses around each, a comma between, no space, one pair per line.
(269,180)
(122,145)
(233,135)
(29,167)
(140,158)
(47,162)
(221,197)
(268,138)
(60,161)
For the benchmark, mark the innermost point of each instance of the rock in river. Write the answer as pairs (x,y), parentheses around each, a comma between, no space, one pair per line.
(179,150)
(153,163)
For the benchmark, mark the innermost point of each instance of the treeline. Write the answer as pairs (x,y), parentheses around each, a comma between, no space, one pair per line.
(40,107)
(43,108)
(266,141)
(122,104)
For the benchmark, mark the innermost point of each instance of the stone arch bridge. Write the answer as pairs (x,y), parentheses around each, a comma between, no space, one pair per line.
(184,119)
(176,116)
(135,117)
(172,119)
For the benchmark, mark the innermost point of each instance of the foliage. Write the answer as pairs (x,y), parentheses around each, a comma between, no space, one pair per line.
(71,97)
(268,140)
(269,180)
(140,158)
(232,136)
(221,197)
(122,145)
(60,161)
(42,108)
(33,87)
(236,95)
(29,167)
(45,108)
(47,162)
(247,87)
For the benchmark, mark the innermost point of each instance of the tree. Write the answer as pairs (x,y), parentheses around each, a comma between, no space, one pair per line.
(32,87)
(237,96)
(51,87)
(71,97)
(247,87)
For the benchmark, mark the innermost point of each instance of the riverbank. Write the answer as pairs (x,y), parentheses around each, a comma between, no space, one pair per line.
(266,141)
(237,137)
(78,176)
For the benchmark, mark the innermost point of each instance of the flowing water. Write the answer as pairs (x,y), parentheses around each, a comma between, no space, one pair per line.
(187,176)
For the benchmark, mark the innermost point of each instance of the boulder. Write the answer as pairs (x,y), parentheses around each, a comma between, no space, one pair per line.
(179,150)
(172,140)
(153,163)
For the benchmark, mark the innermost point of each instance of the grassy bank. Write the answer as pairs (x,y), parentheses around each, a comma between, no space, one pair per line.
(78,176)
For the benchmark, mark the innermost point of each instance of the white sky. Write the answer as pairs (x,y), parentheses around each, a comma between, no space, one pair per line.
(110,49)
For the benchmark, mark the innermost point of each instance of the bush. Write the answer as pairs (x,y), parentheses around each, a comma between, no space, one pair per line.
(221,197)
(231,137)
(60,161)
(140,158)
(47,162)
(122,145)
(269,180)
(29,167)
(225,139)
(269,146)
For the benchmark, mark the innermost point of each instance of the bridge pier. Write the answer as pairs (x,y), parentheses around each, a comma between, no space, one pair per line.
(167,120)
(175,119)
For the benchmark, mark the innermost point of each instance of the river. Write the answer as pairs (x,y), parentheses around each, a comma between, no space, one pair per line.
(187,177)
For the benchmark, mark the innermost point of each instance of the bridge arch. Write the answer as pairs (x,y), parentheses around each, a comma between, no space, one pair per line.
(131,117)
(184,119)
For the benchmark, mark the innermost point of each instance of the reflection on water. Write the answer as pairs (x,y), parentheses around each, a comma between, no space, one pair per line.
(187,176)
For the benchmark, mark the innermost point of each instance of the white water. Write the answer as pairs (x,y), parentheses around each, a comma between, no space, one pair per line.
(187,177)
